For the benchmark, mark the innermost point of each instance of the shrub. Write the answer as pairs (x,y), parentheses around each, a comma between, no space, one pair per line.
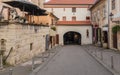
(115,29)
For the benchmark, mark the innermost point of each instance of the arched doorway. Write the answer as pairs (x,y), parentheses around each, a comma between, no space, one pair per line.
(72,38)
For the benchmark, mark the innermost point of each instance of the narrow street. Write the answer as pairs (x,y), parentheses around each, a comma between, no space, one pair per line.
(73,60)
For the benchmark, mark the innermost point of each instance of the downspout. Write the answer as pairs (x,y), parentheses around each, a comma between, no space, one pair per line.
(108,2)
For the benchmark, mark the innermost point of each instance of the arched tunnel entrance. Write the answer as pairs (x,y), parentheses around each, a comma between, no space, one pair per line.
(72,38)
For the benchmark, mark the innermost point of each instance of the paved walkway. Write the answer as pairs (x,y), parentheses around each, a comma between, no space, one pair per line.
(107,57)
(26,68)
(73,60)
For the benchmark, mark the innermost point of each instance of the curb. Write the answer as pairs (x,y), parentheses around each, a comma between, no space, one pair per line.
(35,71)
(103,64)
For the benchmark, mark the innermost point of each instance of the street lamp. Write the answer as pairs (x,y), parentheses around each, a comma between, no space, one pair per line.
(111,18)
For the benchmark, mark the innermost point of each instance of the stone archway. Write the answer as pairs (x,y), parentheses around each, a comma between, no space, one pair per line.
(72,38)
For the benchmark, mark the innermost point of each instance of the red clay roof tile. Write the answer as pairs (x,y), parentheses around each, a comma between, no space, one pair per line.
(71,2)
(73,23)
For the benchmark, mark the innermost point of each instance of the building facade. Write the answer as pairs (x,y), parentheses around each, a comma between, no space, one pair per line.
(105,19)
(74,20)
(23,35)
(38,2)
(115,24)
(100,23)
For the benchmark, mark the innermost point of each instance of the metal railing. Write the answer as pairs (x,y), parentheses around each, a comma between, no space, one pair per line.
(106,56)
(43,56)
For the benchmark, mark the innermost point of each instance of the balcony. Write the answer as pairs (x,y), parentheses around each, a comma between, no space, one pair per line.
(30,13)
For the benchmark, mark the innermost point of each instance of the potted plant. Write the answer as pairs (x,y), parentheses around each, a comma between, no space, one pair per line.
(53,28)
(116,28)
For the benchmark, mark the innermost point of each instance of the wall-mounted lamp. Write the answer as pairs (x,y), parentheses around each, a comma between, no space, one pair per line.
(111,18)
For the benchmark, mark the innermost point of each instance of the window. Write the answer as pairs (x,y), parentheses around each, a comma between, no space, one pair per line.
(52,21)
(73,9)
(105,36)
(64,18)
(31,46)
(93,17)
(63,9)
(104,11)
(87,17)
(74,18)
(113,4)
(87,33)
(36,28)
(52,10)
(98,15)
(3,44)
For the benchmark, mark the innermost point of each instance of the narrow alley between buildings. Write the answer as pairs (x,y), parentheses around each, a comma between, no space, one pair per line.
(73,60)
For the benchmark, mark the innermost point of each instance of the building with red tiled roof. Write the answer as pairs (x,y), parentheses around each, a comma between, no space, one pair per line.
(70,2)
(76,23)
(74,19)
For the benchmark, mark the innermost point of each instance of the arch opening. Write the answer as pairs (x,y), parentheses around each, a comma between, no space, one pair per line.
(72,38)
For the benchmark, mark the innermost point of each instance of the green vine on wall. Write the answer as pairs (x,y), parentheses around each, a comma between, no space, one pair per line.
(116,28)
(53,28)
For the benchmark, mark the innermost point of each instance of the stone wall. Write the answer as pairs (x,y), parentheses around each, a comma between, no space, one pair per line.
(20,37)
(118,40)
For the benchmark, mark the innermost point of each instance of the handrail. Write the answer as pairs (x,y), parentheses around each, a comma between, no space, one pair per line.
(4,60)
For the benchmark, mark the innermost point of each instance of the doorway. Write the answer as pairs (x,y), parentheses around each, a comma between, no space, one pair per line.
(72,38)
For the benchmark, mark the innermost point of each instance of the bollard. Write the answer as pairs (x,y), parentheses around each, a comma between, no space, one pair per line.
(43,57)
(33,63)
(101,55)
(96,52)
(1,62)
(10,71)
(112,62)
(48,53)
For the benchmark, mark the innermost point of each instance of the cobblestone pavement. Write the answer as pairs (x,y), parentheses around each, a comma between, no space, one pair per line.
(26,68)
(110,58)
(73,60)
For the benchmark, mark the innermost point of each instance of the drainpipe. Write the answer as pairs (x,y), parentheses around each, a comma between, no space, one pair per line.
(108,3)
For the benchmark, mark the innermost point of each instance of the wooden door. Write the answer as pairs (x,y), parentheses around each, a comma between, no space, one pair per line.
(115,40)
(57,38)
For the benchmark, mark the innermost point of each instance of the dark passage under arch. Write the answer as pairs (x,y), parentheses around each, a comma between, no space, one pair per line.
(72,38)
